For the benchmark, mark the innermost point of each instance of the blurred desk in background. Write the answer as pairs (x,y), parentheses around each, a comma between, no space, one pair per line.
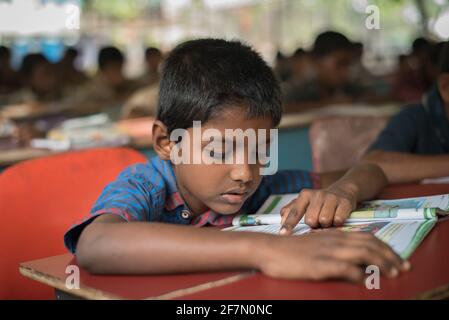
(294,143)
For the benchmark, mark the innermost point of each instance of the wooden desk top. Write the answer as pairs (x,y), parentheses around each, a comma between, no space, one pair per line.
(51,271)
(429,277)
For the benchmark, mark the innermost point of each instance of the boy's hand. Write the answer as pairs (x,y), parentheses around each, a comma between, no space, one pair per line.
(328,254)
(321,208)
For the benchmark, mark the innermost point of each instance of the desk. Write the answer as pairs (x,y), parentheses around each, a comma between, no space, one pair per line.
(429,277)
(138,130)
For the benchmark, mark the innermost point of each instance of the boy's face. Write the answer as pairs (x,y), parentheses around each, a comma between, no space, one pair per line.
(334,68)
(222,187)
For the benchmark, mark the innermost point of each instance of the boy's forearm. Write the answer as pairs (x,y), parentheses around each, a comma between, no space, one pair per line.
(154,248)
(404,167)
(364,181)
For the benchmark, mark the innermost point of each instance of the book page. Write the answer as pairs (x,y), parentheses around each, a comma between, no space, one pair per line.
(403,236)
(377,210)
(440,201)
(270,229)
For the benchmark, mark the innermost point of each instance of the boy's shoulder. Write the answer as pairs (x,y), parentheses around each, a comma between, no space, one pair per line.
(416,111)
(154,174)
(413,116)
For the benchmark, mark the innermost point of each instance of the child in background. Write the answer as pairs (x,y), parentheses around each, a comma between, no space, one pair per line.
(415,143)
(149,221)
(330,60)
(107,90)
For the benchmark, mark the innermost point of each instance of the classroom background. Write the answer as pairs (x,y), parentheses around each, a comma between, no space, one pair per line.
(80,76)
(83,74)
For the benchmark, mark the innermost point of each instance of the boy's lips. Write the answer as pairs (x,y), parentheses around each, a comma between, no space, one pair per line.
(235,196)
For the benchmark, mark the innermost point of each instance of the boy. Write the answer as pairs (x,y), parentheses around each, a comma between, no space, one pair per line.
(225,85)
(39,77)
(330,61)
(415,143)
(107,90)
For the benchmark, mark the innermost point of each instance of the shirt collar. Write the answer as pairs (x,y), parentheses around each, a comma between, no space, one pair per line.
(173,198)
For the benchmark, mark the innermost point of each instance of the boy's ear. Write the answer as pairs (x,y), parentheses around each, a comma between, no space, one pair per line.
(161,140)
(443,87)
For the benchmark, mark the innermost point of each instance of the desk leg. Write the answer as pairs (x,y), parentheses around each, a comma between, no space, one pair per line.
(61,295)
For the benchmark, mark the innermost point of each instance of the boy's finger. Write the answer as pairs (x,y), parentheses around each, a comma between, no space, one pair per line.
(285,210)
(338,269)
(366,255)
(287,207)
(294,215)
(326,215)
(313,211)
(379,248)
(342,213)
(389,254)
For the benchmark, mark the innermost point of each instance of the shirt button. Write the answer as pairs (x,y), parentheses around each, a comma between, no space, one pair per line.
(185,214)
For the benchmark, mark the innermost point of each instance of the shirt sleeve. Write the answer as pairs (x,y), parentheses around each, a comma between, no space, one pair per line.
(129,197)
(285,181)
(401,132)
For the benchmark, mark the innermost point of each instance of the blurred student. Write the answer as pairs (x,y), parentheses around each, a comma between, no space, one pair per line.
(9,79)
(300,70)
(143,102)
(40,81)
(359,73)
(415,143)
(373,88)
(107,90)
(149,220)
(411,81)
(281,67)
(68,74)
(331,59)
(153,61)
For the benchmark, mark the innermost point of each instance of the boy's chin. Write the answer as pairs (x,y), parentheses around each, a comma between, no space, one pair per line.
(226,209)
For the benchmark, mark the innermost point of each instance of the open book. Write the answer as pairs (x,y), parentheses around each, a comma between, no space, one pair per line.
(401,223)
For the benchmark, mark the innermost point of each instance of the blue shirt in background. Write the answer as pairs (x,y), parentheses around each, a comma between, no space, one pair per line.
(418,129)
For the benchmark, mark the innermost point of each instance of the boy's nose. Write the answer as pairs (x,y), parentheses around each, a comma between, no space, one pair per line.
(241,172)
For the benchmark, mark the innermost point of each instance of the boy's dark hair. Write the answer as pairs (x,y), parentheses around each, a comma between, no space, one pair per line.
(109,55)
(30,62)
(201,77)
(444,58)
(329,42)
